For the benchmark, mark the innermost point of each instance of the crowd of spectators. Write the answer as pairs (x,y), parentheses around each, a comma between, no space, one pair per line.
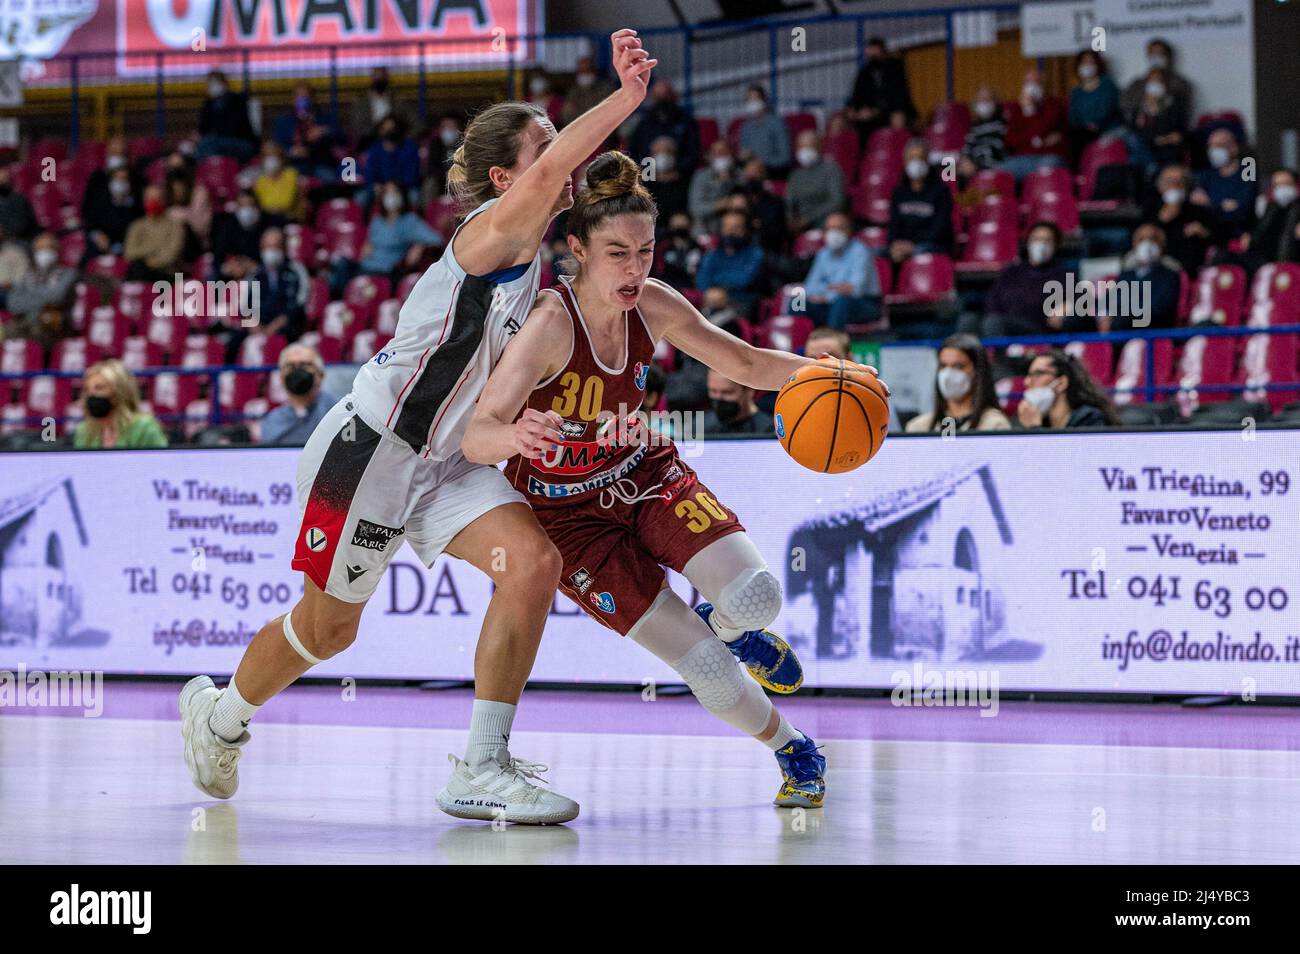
(777,229)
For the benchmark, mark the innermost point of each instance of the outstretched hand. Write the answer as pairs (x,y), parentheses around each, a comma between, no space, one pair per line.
(632,63)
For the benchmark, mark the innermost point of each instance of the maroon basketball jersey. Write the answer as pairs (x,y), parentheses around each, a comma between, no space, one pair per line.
(598,404)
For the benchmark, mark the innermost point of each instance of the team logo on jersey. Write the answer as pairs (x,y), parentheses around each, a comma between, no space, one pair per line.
(639,373)
(380,358)
(511,326)
(355,573)
(603,601)
(373,536)
(572,430)
(315,539)
(581,580)
(780,427)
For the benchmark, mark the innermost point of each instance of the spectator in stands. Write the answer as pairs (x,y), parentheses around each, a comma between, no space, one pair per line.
(114,418)
(964,397)
(47,285)
(96,196)
(1160,56)
(307,134)
(15,263)
(732,409)
(681,256)
(764,133)
(1035,130)
(843,286)
(1190,229)
(154,242)
(224,126)
(815,188)
(920,208)
(1224,188)
(541,95)
(666,117)
(17,217)
(766,209)
(1060,393)
(1149,280)
(281,288)
(189,204)
(667,186)
(377,104)
(736,264)
(442,146)
(277,185)
(303,372)
(588,89)
(396,240)
(830,342)
(106,220)
(237,237)
(1276,237)
(880,94)
(1154,131)
(1094,102)
(718,309)
(1016,304)
(986,141)
(393,157)
(711,186)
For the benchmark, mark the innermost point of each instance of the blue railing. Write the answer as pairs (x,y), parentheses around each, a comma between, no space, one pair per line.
(700,58)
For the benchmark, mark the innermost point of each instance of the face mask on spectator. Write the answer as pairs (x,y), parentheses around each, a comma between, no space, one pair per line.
(726,410)
(272,258)
(1041,399)
(1284,194)
(45,258)
(917,168)
(98,406)
(732,242)
(1155,89)
(1146,252)
(115,161)
(537,87)
(721,164)
(1173,196)
(1157,61)
(1219,156)
(392,202)
(584,79)
(665,161)
(154,206)
(271,165)
(119,188)
(1032,91)
(449,136)
(216,88)
(754,106)
(299,381)
(807,156)
(302,104)
(836,239)
(1087,70)
(984,108)
(1039,251)
(247,215)
(953,383)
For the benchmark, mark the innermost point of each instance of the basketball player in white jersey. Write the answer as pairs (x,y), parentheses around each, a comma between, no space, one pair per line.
(385,465)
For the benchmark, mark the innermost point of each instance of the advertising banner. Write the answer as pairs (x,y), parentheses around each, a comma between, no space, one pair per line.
(1111,562)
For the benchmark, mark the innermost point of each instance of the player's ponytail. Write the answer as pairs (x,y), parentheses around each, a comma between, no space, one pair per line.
(613,187)
(491,139)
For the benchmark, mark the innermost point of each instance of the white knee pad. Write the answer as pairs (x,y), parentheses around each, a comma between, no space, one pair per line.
(752,600)
(722,687)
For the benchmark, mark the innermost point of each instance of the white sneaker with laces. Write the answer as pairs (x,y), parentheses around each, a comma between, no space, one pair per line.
(500,790)
(213,762)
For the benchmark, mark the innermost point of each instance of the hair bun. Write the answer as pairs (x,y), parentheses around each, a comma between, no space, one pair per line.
(613,174)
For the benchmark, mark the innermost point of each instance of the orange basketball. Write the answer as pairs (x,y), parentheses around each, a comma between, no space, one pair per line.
(832,417)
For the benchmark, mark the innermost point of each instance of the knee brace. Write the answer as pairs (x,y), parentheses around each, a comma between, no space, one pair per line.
(722,687)
(296,643)
(751,601)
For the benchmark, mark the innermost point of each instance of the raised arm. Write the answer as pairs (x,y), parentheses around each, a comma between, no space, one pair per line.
(509,232)
(497,431)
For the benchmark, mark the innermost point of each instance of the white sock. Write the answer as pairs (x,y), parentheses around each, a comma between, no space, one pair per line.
(785,734)
(232,714)
(489,730)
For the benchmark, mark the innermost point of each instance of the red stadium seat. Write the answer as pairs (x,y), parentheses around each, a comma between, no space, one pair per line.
(73,354)
(203,351)
(72,248)
(365,292)
(709,132)
(405,284)
(952,114)
(47,201)
(924,278)
(733,133)
(1279,282)
(339,211)
(1059,208)
(884,272)
(786,333)
(890,141)
(442,214)
(1009,391)
(107,266)
(844,148)
(138,353)
(46,396)
(1270,360)
(1109,151)
(341,322)
(991,245)
(387,316)
(219,175)
(237,388)
(302,245)
(796,123)
(871,197)
(1131,368)
(995,181)
(261,349)
(134,302)
(809,243)
(874,237)
(1045,181)
(1204,361)
(86,300)
(52,148)
(995,207)
(197,416)
(145,147)
(13,419)
(18,355)
(318,296)
(344,240)
(329,349)
(106,330)
(364,346)
(172,393)
(1097,357)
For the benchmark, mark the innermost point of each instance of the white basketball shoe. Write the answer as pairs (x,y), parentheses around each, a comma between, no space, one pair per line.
(213,762)
(500,790)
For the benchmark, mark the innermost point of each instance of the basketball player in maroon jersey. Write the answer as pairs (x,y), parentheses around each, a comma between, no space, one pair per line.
(620,510)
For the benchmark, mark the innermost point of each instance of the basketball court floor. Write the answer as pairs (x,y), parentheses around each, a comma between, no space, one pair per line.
(331,781)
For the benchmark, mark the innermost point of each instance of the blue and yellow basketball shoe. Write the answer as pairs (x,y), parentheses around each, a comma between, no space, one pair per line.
(803,767)
(766,655)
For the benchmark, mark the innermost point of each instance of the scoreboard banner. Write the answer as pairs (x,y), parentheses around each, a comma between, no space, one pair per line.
(1100,562)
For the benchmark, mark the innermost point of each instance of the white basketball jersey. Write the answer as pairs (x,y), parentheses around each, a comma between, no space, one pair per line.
(450,334)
